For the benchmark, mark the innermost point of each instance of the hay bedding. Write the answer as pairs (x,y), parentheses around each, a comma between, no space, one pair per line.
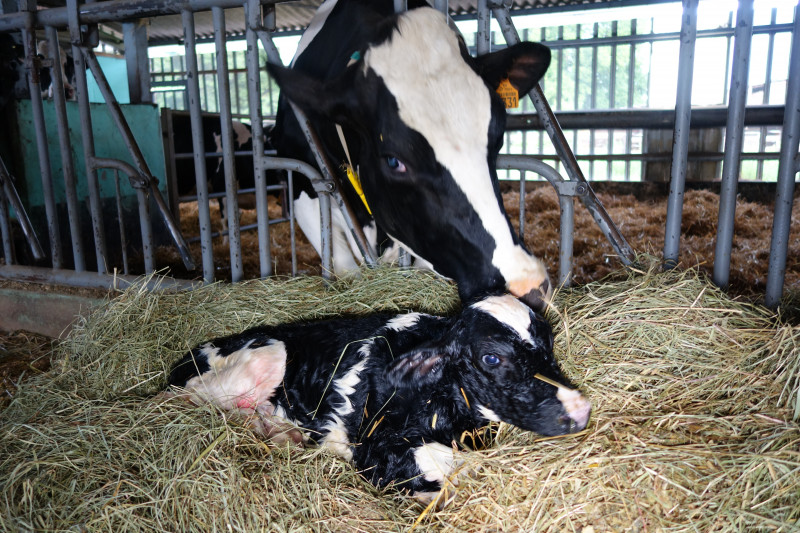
(694,396)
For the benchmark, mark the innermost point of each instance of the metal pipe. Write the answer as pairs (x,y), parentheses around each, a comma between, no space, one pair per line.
(231,183)
(91,279)
(253,10)
(680,142)
(40,128)
(441,5)
(565,249)
(67,166)
(198,148)
(790,142)
(12,198)
(483,43)
(734,136)
(123,241)
(5,230)
(146,229)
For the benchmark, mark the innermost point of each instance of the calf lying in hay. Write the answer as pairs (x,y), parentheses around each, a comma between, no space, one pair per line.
(391,392)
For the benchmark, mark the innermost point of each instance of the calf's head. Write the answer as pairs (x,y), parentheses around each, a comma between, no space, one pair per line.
(500,355)
(426,126)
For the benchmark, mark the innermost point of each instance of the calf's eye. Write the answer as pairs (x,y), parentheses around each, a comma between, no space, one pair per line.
(491,360)
(395,164)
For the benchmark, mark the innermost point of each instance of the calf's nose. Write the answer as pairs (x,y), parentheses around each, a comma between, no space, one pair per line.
(577,407)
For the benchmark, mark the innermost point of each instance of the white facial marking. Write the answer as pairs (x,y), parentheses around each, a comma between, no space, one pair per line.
(488,414)
(509,311)
(402,322)
(246,378)
(576,406)
(441,97)
(435,460)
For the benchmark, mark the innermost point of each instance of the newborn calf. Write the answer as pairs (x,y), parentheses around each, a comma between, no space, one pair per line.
(391,392)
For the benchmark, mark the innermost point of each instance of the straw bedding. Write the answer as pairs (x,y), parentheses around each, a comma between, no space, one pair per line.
(696,400)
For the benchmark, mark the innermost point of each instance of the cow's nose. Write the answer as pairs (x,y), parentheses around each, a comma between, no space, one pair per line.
(577,408)
(536,298)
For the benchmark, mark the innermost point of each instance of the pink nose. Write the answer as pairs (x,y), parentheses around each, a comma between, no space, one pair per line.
(577,407)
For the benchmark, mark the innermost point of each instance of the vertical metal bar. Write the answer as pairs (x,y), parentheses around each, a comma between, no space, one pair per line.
(612,98)
(198,145)
(292,224)
(400,6)
(40,127)
(567,223)
(595,34)
(680,142)
(253,8)
(483,39)
(67,166)
(631,89)
(5,230)
(560,71)
(123,241)
(147,229)
(441,5)
(787,168)
(734,135)
(231,183)
(326,242)
(762,142)
(135,39)
(87,139)
(725,86)
(522,205)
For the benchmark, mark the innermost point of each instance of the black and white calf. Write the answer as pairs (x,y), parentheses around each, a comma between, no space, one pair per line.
(391,393)
(422,124)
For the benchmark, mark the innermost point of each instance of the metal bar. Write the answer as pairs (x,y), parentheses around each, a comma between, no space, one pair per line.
(567,157)
(90,279)
(790,141)
(483,43)
(734,136)
(5,230)
(87,137)
(67,166)
(11,196)
(400,6)
(123,241)
(522,205)
(293,223)
(680,142)
(231,183)
(253,10)
(196,121)
(40,127)
(146,229)
(762,143)
(441,5)
(565,249)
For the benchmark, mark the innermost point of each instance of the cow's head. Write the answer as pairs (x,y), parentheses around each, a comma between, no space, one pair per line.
(500,355)
(429,125)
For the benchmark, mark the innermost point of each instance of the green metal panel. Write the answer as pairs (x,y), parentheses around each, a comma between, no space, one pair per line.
(143,120)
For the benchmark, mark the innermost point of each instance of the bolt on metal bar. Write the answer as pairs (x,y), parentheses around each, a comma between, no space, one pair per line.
(37,109)
(680,141)
(565,154)
(734,137)
(198,148)
(231,183)
(253,18)
(787,168)
(67,165)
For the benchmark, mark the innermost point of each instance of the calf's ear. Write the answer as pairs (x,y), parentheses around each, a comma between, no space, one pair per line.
(523,65)
(417,368)
(334,99)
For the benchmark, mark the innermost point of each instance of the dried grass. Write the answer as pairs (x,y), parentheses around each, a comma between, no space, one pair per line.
(694,398)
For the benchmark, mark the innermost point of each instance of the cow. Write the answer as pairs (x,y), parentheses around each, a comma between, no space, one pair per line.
(184,171)
(67,69)
(391,393)
(398,100)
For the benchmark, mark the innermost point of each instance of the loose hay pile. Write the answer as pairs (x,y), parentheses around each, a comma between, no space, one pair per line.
(694,396)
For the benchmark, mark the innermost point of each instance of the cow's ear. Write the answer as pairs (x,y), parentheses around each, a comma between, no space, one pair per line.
(523,65)
(334,99)
(419,367)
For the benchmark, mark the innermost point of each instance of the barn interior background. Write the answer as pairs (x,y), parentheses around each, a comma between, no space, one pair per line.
(683,117)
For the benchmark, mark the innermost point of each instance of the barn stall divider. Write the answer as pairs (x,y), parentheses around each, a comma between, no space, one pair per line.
(258,16)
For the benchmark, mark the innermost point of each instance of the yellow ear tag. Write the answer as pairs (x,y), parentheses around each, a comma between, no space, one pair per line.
(356,183)
(508,93)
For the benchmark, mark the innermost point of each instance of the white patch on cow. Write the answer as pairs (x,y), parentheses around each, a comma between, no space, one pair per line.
(245,379)
(314,27)
(242,134)
(308,218)
(346,385)
(336,438)
(441,97)
(435,461)
(401,322)
(209,351)
(577,407)
(488,414)
(510,311)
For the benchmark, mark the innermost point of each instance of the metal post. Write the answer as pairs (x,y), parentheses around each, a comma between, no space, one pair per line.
(680,142)
(196,120)
(790,141)
(734,135)
(67,166)
(483,44)
(5,230)
(37,109)
(135,39)
(11,197)
(256,123)
(441,5)
(231,183)
(400,6)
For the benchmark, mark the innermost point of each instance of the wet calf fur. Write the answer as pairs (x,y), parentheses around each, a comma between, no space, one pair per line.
(391,392)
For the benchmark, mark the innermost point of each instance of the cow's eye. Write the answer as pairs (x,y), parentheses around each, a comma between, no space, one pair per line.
(395,164)
(491,359)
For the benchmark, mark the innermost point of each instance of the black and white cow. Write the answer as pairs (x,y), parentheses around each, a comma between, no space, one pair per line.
(423,125)
(392,393)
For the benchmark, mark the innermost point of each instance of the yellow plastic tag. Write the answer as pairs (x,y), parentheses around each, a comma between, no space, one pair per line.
(356,183)
(508,93)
